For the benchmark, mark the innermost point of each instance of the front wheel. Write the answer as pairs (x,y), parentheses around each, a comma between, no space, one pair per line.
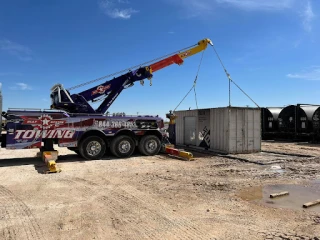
(92,147)
(149,145)
(122,146)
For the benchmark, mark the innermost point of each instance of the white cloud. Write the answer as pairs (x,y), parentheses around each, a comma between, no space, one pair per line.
(311,73)
(195,8)
(199,8)
(307,17)
(21,52)
(123,1)
(21,86)
(259,4)
(112,9)
(122,13)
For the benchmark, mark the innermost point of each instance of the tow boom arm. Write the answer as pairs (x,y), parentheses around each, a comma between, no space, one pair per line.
(110,90)
(178,58)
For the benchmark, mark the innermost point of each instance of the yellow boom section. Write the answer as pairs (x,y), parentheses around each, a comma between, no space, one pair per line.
(178,57)
(202,45)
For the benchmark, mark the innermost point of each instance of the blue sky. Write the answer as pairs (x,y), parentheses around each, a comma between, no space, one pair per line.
(270,48)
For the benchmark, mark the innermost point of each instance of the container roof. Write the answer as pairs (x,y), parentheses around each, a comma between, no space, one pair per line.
(234,107)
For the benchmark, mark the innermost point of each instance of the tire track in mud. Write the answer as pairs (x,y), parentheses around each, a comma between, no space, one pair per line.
(183,224)
(18,219)
(79,185)
(87,190)
(142,215)
(8,231)
(125,210)
(135,215)
(127,218)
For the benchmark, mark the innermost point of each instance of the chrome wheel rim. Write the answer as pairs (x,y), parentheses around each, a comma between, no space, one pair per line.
(93,148)
(124,146)
(151,145)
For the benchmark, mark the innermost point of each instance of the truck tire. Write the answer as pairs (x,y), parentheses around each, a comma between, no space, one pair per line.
(92,147)
(149,145)
(122,146)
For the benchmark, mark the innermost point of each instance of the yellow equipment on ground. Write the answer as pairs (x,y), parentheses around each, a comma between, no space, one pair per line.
(50,157)
(171,150)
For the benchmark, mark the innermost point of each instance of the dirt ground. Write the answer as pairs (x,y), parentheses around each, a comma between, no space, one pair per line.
(160,197)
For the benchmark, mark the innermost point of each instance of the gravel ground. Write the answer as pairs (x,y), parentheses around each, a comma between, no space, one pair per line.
(159,197)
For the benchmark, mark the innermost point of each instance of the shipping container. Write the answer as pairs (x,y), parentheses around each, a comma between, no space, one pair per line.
(186,127)
(226,130)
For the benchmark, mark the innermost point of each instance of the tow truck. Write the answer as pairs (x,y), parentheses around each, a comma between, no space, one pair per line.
(73,123)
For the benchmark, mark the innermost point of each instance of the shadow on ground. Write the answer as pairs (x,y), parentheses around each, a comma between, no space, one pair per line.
(37,161)
(41,167)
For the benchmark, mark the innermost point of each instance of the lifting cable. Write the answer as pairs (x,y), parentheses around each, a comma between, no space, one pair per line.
(230,80)
(194,85)
(228,76)
(128,69)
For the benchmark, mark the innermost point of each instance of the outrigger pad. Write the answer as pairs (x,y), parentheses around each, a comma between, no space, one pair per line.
(50,157)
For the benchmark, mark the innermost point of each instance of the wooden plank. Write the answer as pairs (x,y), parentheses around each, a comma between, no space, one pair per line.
(310,204)
(274,195)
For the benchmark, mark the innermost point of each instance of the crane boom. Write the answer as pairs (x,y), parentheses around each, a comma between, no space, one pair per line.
(110,90)
(178,58)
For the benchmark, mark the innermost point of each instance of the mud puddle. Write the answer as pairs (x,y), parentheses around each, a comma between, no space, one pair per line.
(298,195)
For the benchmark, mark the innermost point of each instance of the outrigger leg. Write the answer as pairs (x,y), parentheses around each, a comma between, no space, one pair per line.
(49,156)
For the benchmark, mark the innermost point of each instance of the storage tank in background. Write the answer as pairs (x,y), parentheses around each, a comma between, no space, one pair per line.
(297,121)
(316,122)
(286,121)
(269,121)
(305,124)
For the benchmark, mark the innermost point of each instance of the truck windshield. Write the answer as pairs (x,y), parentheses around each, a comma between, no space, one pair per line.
(55,98)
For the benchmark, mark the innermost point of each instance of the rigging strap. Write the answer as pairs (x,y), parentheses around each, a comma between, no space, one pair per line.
(194,85)
(230,80)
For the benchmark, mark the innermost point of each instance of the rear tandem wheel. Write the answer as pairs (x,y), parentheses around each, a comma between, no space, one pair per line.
(92,147)
(149,145)
(122,146)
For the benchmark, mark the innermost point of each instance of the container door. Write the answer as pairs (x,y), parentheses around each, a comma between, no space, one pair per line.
(240,125)
(190,131)
(249,130)
(236,131)
(203,128)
